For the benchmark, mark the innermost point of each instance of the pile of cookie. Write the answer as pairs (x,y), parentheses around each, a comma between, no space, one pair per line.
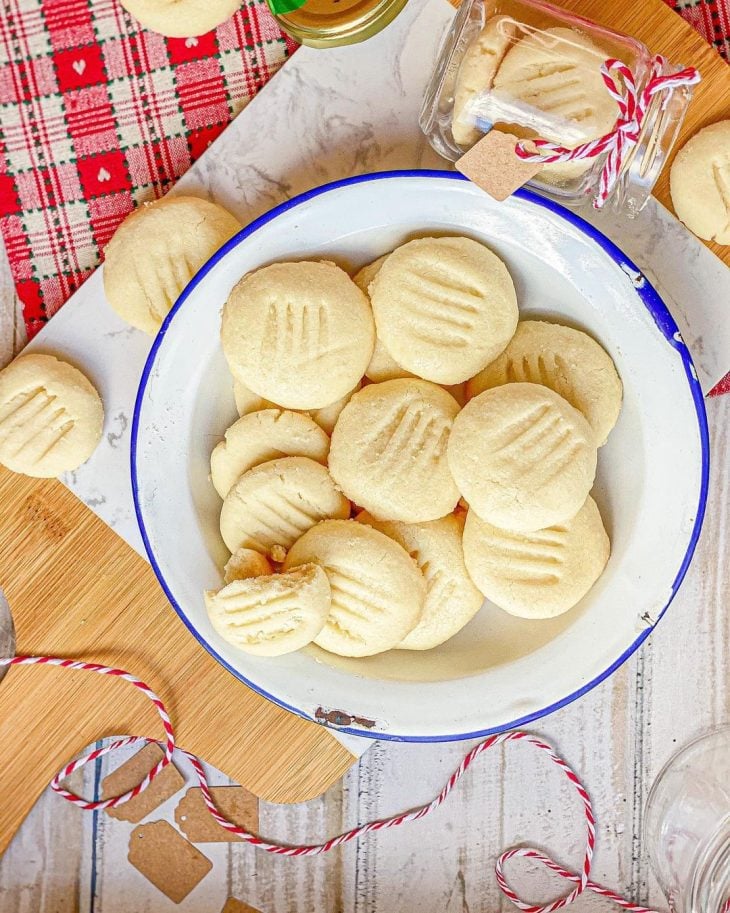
(405,448)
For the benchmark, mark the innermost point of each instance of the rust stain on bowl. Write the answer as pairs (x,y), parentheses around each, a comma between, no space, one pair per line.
(340,718)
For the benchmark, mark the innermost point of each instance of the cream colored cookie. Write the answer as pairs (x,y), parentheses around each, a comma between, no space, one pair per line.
(272,615)
(327,417)
(522,456)
(244,563)
(275,503)
(51,417)
(539,574)
(181,18)
(382,365)
(558,71)
(364,276)
(444,307)
(377,589)
(388,450)
(248,401)
(156,251)
(566,360)
(452,600)
(700,183)
(476,74)
(298,334)
(262,436)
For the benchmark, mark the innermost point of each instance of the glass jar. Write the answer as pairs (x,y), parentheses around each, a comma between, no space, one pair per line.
(329,23)
(687,829)
(535,70)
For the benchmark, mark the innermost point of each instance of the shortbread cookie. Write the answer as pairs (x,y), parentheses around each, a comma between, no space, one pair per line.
(51,417)
(522,456)
(377,589)
(452,600)
(700,183)
(272,615)
(539,574)
(327,417)
(382,365)
(298,334)
(558,71)
(181,18)
(444,307)
(476,74)
(262,436)
(388,450)
(244,563)
(275,503)
(566,360)
(364,276)
(156,251)
(248,401)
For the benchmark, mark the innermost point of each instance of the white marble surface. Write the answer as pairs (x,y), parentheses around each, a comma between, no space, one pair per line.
(337,113)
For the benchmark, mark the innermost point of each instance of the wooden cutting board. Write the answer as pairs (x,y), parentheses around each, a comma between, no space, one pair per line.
(77,589)
(664,32)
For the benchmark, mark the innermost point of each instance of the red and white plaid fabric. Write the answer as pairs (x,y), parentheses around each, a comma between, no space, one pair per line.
(711,18)
(98,114)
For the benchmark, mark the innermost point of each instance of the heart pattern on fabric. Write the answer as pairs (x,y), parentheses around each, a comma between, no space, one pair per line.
(103,175)
(79,66)
(191,42)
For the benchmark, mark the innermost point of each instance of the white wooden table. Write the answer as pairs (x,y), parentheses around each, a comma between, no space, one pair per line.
(617,737)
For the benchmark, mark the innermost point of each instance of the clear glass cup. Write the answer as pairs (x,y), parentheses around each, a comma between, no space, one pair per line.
(571,51)
(687,826)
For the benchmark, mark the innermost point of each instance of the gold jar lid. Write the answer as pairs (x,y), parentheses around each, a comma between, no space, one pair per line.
(329,23)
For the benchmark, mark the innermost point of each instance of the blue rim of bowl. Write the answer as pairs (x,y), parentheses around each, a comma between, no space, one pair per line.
(652,302)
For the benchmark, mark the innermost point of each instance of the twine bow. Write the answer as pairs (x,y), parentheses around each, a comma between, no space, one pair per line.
(632,106)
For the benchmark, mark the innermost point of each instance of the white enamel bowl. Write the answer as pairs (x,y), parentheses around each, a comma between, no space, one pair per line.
(500,671)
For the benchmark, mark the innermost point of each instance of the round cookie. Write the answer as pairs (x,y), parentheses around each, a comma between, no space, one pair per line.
(51,417)
(565,360)
(262,436)
(558,70)
(248,401)
(273,504)
(272,615)
(156,251)
(364,276)
(452,600)
(476,74)
(382,365)
(522,456)
(245,562)
(298,334)
(327,417)
(539,574)
(181,18)
(377,589)
(388,450)
(444,307)
(700,183)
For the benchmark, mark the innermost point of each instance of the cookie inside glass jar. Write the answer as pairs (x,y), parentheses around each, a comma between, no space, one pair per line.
(535,71)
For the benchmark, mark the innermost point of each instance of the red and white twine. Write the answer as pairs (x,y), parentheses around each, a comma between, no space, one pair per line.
(632,106)
(581,881)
